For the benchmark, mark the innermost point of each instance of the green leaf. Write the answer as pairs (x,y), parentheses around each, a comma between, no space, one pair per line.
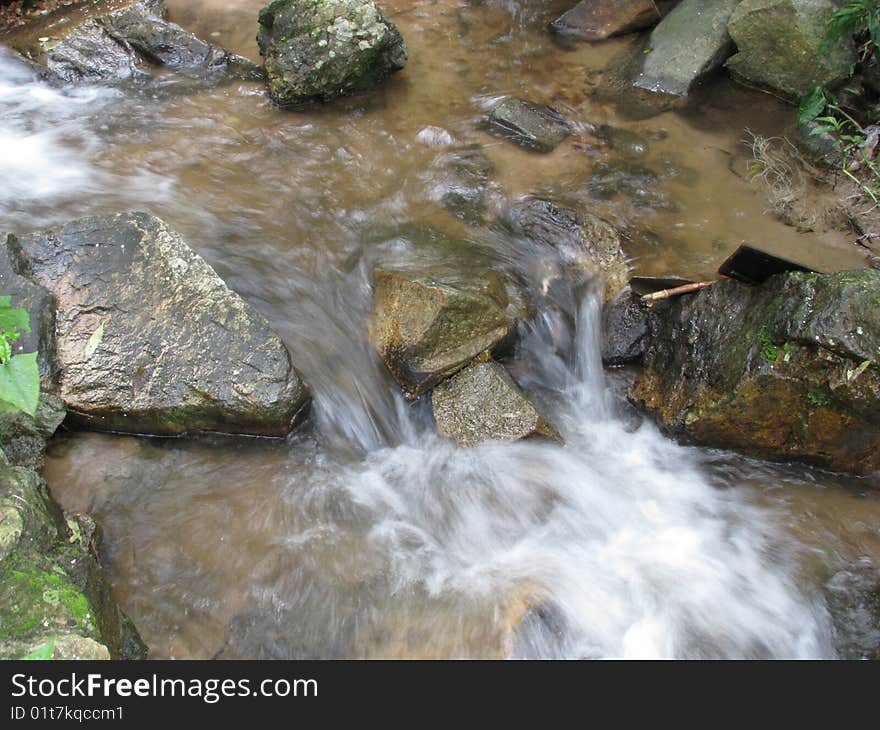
(20,382)
(12,318)
(42,653)
(811,106)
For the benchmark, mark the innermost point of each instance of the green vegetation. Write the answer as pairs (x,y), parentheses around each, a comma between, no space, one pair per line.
(818,400)
(19,374)
(43,652)
(859,20)
(769,351)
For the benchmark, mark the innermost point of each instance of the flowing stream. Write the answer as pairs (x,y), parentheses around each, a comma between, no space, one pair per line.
(366,535)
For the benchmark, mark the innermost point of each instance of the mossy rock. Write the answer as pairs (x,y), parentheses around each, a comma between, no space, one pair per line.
(788,370)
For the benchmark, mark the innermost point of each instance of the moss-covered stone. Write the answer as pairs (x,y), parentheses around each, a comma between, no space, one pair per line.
(316,50)
(787,370)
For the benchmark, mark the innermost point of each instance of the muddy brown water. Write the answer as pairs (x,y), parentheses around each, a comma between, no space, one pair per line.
(364,535)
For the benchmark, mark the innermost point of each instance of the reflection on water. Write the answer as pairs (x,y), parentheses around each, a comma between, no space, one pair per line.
(366,535)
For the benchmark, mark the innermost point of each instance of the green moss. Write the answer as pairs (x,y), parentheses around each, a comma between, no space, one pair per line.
(818,399)
(769,351)
(30,598)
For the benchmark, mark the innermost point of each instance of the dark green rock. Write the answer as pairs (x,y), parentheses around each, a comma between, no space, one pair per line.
(787,370)
(688,43)
(779,46)
(149,338)
(585,245)
(317,50)
(40,306)
(51,587)
(482,403)
(625,142)
(425,329)
(536,127)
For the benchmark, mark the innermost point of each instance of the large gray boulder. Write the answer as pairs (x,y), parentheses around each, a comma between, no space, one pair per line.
(779,46)
(581,245)
(786,370)
(149,338)
(595,20)
(316,50)
(426,329)
(688,43)
(115,40)
(482,403)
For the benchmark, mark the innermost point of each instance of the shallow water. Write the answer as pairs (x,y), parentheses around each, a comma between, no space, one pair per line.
(365,535)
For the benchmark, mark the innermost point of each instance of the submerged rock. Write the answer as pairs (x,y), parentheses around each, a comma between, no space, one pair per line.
(595,20)
(113,40)
(536,127)
(426,330)
(625,142)
(149,338)
(51,588)
(787,370)
(779,46)
(687,44)
(316,50)
(482,403)
(465,181)
(640,185)
(584,244)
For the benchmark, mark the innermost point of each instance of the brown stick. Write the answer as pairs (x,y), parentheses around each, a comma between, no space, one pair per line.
(683,289)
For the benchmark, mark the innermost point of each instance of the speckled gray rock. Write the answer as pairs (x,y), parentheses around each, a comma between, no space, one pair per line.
(584,245)
(779,46)
(150,339)
(687,44)
(536,127)
(115,40)
(425,330)
(317,50)
(482,403)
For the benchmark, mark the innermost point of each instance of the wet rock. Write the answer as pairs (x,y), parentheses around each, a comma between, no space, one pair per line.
(482,403)
(40,306)
(624,327)
(51,588)
(316,50)
(640,185)
(688,43)
(787,370)
(595,20)
(625,142)
(465,179)
(536,127)
(779,46)
(426,330)
(150,339)
(585,245)
(23,437)
(114,40)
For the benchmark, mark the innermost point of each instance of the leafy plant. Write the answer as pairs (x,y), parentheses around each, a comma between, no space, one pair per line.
(859,19)
(42,653)
(19,374)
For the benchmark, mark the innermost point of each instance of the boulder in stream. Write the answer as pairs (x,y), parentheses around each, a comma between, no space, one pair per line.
(624,327)
(425,329)
(785,371)
(779,46)
(317,50)
(482,403)
(114,40)
(688,43)
(149,338)
(464,182)
(595,20)
(535,127)
(584,244)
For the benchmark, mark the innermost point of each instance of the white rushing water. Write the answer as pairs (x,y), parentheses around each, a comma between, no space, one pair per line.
(628,547)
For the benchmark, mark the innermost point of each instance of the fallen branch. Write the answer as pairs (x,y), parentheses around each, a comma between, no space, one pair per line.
(684,289)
